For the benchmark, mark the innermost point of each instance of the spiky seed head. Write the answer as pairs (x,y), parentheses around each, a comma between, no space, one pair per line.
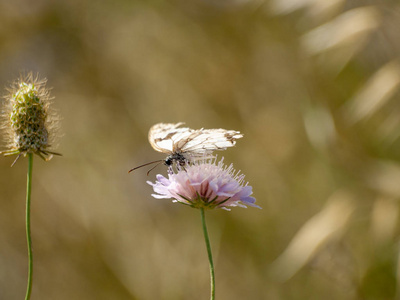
(28,122)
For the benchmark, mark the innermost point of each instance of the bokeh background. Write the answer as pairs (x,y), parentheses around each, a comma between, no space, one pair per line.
(312,84)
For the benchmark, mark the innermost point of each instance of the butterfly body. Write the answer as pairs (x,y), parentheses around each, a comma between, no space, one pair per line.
(177,158)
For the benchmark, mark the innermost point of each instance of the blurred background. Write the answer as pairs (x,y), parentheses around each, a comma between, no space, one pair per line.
(312,84)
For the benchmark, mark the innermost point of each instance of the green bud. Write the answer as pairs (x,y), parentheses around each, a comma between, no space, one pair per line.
(29,124)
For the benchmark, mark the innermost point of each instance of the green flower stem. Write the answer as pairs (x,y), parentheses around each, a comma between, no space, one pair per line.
(28,225)
(210,259)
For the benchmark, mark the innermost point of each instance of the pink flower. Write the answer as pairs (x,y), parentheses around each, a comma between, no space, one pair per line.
(206,184)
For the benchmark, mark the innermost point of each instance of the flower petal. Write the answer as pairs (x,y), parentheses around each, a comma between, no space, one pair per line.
(205,184)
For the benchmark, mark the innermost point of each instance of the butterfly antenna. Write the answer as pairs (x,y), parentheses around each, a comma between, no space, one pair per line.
(152,162)
(148,172)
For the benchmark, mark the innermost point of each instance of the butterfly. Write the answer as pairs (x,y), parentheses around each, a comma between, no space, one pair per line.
(183,144)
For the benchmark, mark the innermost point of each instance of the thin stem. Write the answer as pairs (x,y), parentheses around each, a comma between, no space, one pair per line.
(28,225)
(210,259)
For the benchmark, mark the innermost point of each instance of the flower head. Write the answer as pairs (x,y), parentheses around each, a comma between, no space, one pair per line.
(205,184)
(27,121)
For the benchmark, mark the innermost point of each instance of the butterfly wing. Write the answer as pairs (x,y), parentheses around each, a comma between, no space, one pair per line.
(205,141)
(164,136)
(169,138)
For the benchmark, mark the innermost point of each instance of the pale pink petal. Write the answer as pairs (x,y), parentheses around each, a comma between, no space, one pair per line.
(205,183)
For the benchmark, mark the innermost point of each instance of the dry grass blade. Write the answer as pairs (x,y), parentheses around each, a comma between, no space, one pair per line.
(330,222)
(375,93)
(348,29)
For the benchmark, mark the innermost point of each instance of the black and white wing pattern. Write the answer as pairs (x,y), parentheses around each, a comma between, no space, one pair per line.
(183,144)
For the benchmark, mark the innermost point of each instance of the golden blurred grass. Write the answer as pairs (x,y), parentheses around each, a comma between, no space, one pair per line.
(312,87)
